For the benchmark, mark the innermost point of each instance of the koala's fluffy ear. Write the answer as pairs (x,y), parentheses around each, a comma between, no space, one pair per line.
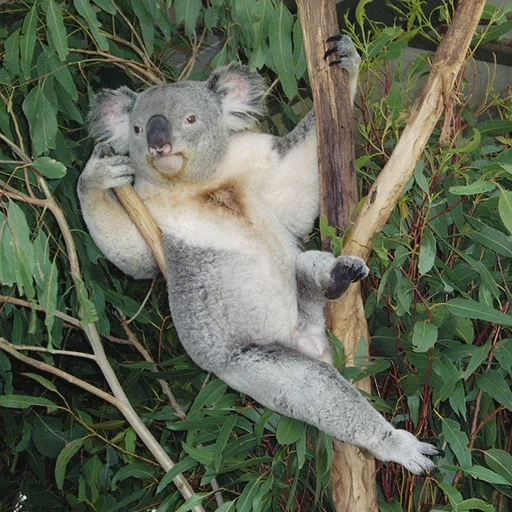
(242,94)
(109,118)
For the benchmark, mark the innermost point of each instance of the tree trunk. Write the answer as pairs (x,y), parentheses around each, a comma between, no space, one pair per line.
(353,472)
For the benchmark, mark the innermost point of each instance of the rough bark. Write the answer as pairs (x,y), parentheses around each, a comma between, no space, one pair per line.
(352,473)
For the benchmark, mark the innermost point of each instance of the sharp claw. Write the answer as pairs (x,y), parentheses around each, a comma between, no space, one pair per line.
(334,62)
(333,38)
(440,452)
(330,51)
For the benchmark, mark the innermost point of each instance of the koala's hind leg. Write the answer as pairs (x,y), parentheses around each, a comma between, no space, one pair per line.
(301,387)
(321,277)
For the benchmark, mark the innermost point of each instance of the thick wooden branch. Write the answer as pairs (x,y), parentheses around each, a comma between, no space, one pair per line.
(386,190)
(352,473)
(141,217)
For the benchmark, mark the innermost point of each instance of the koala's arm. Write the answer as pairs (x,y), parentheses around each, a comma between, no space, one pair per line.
(296,156)
(109,225)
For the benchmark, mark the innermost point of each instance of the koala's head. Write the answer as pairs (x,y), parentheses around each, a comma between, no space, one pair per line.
(180,129)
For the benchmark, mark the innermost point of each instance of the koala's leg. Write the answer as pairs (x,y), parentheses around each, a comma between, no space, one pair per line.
(312,391)
(321,277)
(109,225)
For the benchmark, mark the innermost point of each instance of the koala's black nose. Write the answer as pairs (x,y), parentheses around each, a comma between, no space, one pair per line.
(159,136)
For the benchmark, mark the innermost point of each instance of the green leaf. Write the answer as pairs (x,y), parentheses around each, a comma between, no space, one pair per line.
(493,239)
(194,500)
(87,311)
(245,501)
(140,470)
(12,52)
(280,42)
(23,252)
(25,401)
(427,252)
(56,29)
(222,440)
(471,309)
(289,430)
(28,41)
(494,384)
(458,442)
(501,462)
(424,336)
(49,167)
(146,24)
(42,119)
(505,209)
(188,11)
(503,354)
(299,55)
(42,380)
(106,5)
(477,187)
(180,467)
(65,455)
(85,10)
(477,357)
(475,504)
(202,455)
(486,475)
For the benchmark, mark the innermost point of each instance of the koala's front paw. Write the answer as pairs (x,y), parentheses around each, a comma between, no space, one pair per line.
(402,447)
(104,170)
(345,51)
(346,270)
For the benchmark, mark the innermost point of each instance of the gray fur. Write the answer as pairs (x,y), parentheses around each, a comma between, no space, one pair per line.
(248,305)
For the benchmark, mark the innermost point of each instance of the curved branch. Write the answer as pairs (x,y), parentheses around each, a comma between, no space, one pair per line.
(385,192)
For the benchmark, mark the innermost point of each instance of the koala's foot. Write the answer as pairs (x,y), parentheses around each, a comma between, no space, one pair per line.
(345,51)
(402,447)
(314,345)
(104,170)
(346,270)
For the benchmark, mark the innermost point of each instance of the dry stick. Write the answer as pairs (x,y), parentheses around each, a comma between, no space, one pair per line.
(352,473)
(141,217)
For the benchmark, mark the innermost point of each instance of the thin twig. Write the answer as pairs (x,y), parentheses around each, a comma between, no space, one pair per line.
(13,350)
(30,305)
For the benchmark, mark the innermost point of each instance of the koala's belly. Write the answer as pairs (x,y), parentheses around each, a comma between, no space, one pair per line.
(229,285)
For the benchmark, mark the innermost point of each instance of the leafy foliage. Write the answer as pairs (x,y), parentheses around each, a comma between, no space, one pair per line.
(438,301)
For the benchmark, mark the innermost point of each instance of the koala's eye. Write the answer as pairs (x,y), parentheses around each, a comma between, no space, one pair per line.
(137,129)
(191,119)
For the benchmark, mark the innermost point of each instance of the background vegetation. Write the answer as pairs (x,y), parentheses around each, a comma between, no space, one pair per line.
(438,298)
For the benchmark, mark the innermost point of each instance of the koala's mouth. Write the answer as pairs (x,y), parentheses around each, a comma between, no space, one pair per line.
(170,164)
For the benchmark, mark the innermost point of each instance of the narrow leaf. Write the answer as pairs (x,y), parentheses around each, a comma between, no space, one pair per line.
(505,209)
(471,309)
(25,401)
(427,252)
(56,29)
(85,10)
(458,442)
(494,384)
(280,42)
(28,41)
(65,455)
(477,187)
(180,467)
(501,462)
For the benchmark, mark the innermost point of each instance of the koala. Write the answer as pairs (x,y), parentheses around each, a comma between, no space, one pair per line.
(232,205)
